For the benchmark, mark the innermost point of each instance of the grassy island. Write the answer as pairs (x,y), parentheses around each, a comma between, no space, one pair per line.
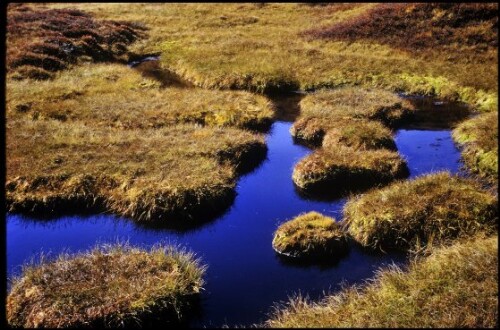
(109,286)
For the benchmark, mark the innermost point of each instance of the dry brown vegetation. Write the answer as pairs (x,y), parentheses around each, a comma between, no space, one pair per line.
(109,286)
(44,41)
(312,236)
(455,287)
(434,208)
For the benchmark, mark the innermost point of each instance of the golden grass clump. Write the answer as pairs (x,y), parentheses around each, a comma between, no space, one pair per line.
(172,172)
(109,286)
(455,287)
(479,137)
(310,235)
(432,208)
(360,135)
(330,106)
(114,95)
(341,168)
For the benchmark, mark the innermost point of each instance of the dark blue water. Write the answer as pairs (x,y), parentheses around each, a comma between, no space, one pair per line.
(245,276)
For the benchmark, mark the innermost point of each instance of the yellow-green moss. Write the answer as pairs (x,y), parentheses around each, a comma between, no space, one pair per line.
(432,208)
(456,287)
(109,286)
(310,235)
(479,137)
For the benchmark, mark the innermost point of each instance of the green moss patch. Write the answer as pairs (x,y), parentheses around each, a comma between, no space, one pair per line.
(431,208)
(310,235)
(479,137)
(340,168)
(456,287)
(110,286)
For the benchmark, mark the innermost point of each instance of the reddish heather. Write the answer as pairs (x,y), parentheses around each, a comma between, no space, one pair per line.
(40,42)
(420,26)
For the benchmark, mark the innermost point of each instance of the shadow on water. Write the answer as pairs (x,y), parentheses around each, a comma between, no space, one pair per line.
(286,106)
(434,113)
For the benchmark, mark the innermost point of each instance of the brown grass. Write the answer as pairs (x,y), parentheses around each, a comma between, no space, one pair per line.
(456,287)
(109,286)
(310,235)
(430,209)
(340,168)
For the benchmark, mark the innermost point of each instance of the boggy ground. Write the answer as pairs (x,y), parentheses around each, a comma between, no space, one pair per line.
(108,286)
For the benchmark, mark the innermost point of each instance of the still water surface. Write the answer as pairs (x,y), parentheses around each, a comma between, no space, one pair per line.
(245,276)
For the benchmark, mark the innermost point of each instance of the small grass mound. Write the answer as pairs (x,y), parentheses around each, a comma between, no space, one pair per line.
(432,208)
(310,235)
(479,136)
(343,168)
(109,286)
(360,135)
(330,106)
(456,287)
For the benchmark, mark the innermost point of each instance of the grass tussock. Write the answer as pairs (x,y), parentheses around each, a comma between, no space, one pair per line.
(43,41)
(114,95)
(310,235)
(455,287)
(340,168)
(109,286)
(176,171)
(479,137)
(432,208)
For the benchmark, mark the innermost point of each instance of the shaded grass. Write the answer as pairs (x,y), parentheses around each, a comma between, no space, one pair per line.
(432,208)
(114,95)
(340,168)
(109,286)
(479,138)
(149,174)
(310,235)
(42,41)
(455,287)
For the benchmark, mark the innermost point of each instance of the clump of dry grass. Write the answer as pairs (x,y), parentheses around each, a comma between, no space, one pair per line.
(455,287)
(310,235)
(109,286)
(177,171)
(432,208)
(44,41)
(114,95)
(479,136)
(342,168)
(360,135)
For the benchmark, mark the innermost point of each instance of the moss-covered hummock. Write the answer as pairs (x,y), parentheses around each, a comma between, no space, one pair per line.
(110,286)
(344,168)
(456,287)
(310,236)
(479,136)
(434,207)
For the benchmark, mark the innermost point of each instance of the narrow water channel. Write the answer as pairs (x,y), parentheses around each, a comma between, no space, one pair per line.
(245,276)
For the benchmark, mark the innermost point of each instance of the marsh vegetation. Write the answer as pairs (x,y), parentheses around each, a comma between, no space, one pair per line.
(171,137)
